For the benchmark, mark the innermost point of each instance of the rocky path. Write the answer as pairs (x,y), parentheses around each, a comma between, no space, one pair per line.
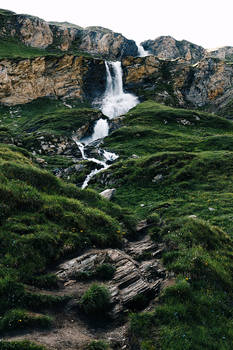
(138,272)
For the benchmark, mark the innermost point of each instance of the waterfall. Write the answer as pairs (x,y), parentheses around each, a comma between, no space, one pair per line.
(115,101)
(101,130)
(142,52)
(108,156)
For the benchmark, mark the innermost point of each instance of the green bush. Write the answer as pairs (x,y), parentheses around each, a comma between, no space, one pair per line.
(97,345)
(95,300)
(20,345)
(105,271)
(20,319)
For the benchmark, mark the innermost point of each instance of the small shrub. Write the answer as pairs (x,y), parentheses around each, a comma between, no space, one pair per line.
(20,319)
(48,281)
(105,271)
(20,345)
(95,299)
(97,345)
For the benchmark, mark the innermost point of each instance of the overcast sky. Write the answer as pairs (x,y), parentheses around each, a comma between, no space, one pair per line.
(204,22)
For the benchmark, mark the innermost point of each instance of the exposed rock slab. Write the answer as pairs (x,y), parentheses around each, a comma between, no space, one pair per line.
(136,273)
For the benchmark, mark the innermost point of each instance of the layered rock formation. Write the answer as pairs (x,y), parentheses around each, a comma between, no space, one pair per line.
(208,83)
(138,272)
(166,47)
(22,81)
(38,33)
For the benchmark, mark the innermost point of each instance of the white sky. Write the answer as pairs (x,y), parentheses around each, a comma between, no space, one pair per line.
(204,22)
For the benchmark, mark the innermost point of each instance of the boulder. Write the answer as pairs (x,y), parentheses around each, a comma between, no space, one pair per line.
(108,194)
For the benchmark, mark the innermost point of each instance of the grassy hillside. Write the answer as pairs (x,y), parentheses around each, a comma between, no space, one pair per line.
(175,169)
(43,220)
(47,115)
(180,179)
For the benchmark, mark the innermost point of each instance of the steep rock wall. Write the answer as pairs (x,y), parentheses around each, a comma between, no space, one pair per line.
(208,83)
(22,81)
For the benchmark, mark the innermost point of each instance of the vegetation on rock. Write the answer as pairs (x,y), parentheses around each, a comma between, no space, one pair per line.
(96,300)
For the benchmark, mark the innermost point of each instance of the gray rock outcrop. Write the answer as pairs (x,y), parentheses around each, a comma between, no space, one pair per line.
(223,53)
(139,271)
(166,47)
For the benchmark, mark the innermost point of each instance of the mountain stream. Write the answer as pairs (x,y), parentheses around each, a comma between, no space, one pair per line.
(115,102)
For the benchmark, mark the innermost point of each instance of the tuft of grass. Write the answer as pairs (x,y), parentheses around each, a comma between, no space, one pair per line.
(20,319)
(97,345)
(20,345)
(95,300)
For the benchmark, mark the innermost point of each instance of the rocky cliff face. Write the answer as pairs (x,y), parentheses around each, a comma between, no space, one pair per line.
(38,33)
(208,83)
(166,47)
(223,53)
(22,81)
(98,40)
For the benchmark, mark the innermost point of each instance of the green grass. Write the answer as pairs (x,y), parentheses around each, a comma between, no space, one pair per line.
(97,345)
(96,300)
(196,312)
(41,221)
(49,119)
(194,163)
(20,319)
(184,166)
(46,115)
(13,48)
(20,345)
(181,170)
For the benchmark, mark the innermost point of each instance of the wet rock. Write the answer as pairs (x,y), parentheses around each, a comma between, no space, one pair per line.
(108,194)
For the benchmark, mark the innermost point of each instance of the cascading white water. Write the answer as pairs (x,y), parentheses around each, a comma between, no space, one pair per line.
(142,52)
(108,156)
(116,102)
(101,130)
